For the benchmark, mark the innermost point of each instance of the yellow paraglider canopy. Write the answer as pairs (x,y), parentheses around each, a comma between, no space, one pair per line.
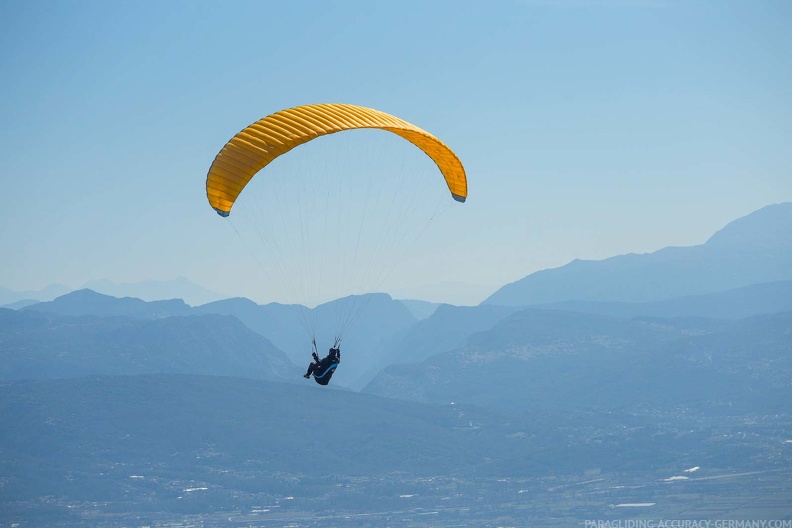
(257,145)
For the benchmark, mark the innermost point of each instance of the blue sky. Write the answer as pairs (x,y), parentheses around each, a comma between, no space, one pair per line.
(588,129)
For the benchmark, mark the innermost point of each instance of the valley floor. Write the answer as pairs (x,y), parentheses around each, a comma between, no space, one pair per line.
(591,499)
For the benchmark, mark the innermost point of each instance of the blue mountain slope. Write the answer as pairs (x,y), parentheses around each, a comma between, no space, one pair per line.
(155,290)
(539,359)
(446,329)
(45,345)
(756,299)
(89,302)
(751,250)
(52,291)
(380,320)
(287,326)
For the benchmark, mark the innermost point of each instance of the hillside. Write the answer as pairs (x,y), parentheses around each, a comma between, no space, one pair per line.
(157,290)
(756,299)
(45,345)
(8,296)
(287,326)
(751,250)
(89,302)
(446,329)
(545,359)
(149,437)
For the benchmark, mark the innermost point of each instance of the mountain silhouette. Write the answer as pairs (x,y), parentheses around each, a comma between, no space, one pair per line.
(549,359)
(89,302)
(756,299)
(157,290)
(751,250)
(46,345)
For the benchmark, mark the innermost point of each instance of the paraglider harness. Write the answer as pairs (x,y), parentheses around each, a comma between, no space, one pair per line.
(326,366)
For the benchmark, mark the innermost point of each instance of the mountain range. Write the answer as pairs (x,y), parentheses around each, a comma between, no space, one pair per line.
(150,290)
(754,249)
(756,299)
(548,359)
(39,344)
(23,298)
(157,290)
(387,333)
(750,250)
(117,402)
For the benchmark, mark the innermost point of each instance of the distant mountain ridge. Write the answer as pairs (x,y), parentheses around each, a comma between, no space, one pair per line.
(420,309)
(89,302)
(380,319)
(150,290)
(446,329)
(286,326)
(766,228)
(19,304)
(47,294)
(756,299)
(47,345)
(545,359)
(194,408)
(388,334)
(157,290)
(750,250)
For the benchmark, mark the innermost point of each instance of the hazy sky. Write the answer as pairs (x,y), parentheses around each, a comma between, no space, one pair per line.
(588,129)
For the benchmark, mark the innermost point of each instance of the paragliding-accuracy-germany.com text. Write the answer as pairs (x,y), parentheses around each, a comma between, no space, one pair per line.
(688,523)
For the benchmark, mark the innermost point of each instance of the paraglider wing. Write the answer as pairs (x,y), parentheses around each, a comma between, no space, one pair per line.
(259,144)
